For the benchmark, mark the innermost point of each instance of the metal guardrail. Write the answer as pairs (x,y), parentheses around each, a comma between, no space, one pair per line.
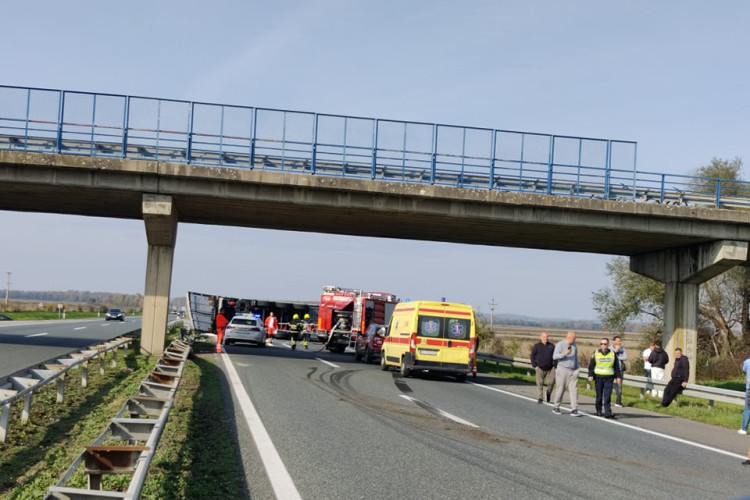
(129,442)
(711,394)
(120,126)
(25,383)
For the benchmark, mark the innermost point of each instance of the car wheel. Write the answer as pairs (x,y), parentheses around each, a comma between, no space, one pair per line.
(405,370)
(368,355)
(357,354)
(383,366)
(461,377)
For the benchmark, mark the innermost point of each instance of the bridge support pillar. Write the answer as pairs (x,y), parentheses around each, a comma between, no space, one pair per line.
(160,216)
(682,270)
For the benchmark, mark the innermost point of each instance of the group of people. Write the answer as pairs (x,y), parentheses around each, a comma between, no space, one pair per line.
(558,367)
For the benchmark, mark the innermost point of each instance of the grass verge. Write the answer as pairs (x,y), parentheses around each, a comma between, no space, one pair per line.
(195,457)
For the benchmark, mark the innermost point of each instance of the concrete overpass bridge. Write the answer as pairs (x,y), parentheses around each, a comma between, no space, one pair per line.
(168,161)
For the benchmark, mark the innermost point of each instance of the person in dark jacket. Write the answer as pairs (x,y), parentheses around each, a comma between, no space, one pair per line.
(541,360)
(680,375)
(658,359)
(605,371)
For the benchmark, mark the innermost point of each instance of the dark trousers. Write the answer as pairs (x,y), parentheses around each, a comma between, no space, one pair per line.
(674,387)
(603,394)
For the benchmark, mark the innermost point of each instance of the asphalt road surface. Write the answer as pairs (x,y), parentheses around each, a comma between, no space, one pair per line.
(317,425)
(28,343)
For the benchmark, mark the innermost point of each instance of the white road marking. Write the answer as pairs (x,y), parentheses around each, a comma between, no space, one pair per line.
(37,334)
(328,363)
(281,481)
(80,328)
(639,429)
(441,412)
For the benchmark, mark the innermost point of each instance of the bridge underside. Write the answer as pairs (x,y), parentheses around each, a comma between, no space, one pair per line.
(235,197)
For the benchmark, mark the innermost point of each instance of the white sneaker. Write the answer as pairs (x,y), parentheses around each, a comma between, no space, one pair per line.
(741,432)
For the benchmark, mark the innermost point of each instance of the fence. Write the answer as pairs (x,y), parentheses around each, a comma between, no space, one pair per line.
(711,394)
(26,383)
(109,125)
(129,442)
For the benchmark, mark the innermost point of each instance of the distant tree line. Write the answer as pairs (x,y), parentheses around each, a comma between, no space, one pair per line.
(93,299)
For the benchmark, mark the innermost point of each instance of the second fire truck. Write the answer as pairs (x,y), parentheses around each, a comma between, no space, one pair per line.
(344,312)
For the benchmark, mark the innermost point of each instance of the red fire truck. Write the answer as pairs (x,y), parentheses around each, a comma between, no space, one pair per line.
(344,312)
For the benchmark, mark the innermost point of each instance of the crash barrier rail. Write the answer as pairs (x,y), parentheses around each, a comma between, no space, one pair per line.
(711,394)
(25,383)
(120,126)
(128,444)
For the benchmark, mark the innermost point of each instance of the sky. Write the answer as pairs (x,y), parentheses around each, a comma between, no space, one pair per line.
(671,75)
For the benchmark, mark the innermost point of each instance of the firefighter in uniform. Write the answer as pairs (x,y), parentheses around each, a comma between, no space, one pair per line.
(604,369)
(306,326)
(295,328)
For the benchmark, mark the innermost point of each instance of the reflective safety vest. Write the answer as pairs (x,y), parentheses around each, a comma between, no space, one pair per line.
(605,363)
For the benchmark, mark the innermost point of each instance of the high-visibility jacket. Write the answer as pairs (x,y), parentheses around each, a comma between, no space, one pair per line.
(605,363)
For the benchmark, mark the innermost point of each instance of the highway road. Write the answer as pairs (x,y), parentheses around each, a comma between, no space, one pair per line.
(317,425)
(27,343)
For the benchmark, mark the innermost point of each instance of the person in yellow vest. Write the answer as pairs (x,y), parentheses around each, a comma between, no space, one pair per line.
(605,371)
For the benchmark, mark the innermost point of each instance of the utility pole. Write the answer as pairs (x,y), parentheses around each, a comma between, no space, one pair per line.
(7,288)
(492,305)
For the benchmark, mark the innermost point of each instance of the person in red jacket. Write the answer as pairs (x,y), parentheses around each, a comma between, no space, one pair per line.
(221,326)
(271,325)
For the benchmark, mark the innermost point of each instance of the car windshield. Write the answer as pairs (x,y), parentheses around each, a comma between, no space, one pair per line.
(115,311)
(245,321)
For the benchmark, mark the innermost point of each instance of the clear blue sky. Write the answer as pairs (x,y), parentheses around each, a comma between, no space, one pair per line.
(671,75)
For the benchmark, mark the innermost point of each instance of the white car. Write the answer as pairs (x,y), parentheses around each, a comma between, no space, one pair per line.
(245,328)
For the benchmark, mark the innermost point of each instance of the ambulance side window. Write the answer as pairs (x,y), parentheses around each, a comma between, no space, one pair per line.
(430,326)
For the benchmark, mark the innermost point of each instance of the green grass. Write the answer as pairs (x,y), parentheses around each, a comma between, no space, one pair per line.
(44,315)
(195,457)
(699,410)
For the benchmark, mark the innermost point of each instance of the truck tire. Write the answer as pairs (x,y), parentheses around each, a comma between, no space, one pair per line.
(461,377)
(357,354)
(405,370)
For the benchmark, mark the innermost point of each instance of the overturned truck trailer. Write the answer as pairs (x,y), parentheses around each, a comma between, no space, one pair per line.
(203,308)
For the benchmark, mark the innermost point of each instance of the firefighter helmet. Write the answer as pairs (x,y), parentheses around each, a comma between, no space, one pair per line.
(306,316)
(296,316)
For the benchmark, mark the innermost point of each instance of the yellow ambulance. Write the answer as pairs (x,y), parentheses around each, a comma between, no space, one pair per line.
(431,336)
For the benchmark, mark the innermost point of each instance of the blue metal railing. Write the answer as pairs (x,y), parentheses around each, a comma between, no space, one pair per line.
(109,125)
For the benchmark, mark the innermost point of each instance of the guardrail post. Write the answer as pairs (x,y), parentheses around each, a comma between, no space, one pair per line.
(27,407)
(101,363)
(85,374)
(4,419)
(60,388)
(114,357)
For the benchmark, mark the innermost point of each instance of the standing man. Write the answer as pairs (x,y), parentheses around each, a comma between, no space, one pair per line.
(746,411)
(680,374)
(658,359)
(544,365)
(605,369)
(271,325)
(622,356)
(221,327)
(566,373)
(647,366)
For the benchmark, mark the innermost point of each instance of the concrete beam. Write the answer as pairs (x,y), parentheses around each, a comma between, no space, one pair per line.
(160,216)
(694,264)
(682,270)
